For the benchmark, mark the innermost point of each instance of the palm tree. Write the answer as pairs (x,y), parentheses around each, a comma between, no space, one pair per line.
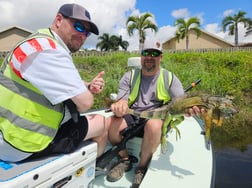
(140,23)
(233,21)
(183,28)
(111,43)
(114,43)
(119,42)
(123,43)
(105,43)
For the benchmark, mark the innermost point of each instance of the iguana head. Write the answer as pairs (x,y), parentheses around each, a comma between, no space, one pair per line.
(223,108)
(227,107)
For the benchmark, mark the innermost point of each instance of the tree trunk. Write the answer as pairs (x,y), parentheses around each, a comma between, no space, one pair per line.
(141,43)
(236,34)
(187,42)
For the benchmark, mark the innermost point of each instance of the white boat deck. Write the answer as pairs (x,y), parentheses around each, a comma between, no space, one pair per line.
(187,162)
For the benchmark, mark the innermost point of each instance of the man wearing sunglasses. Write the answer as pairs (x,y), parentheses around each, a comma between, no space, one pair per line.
(43,94)
(142,89)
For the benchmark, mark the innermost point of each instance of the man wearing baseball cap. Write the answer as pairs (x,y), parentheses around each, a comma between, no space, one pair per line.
(142,89)
(45,94)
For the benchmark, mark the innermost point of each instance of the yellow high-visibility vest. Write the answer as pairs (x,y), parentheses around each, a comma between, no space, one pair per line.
(28,121)
(163,85)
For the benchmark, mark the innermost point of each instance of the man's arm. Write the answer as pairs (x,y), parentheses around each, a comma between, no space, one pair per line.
(83,101)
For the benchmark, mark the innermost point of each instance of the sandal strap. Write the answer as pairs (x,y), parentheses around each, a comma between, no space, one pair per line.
(122,159)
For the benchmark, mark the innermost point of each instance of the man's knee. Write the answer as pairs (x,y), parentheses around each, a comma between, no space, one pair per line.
(153,126)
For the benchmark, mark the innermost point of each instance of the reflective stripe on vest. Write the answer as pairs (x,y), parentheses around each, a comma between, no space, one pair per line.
(163,85)
(42,40)
(28,120)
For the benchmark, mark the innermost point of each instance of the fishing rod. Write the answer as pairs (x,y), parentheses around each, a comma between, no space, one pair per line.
(192,85)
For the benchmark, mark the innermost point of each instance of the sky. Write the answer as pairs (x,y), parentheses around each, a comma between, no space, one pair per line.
(110,16)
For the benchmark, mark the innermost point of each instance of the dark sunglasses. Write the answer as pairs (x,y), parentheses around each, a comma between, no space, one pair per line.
(78,26)
(154,53)
(81,28)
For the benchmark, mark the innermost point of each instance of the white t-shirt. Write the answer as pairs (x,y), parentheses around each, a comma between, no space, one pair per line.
(54,74)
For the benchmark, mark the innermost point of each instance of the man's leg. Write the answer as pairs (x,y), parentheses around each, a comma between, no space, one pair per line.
(151,140)
(97,131)
(124,164)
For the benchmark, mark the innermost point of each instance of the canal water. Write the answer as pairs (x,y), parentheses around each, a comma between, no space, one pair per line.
(233,168)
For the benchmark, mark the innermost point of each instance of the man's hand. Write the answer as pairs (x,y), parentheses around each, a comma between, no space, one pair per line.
(97,84)
(120,107)
(195,110)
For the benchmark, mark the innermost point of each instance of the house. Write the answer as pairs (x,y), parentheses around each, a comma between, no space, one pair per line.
(248,35)
(205,40)
(248,39)
(11,36)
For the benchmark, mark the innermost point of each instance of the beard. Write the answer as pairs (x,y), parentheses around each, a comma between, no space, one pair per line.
(149,66)
(75,44)
(73,48)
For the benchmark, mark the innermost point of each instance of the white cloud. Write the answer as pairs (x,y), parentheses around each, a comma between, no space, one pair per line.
(28,14)
(165,33)
(6,11)
(110,15)
(185,14)
(201,17)
(212,28)
(228,12)
(181,13)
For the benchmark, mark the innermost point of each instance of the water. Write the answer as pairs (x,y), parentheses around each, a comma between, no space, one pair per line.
(233,168)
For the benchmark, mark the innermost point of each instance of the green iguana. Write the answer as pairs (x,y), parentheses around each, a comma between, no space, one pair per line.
(216,109)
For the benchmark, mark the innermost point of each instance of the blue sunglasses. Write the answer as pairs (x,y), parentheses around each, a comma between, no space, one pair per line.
(81,28)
